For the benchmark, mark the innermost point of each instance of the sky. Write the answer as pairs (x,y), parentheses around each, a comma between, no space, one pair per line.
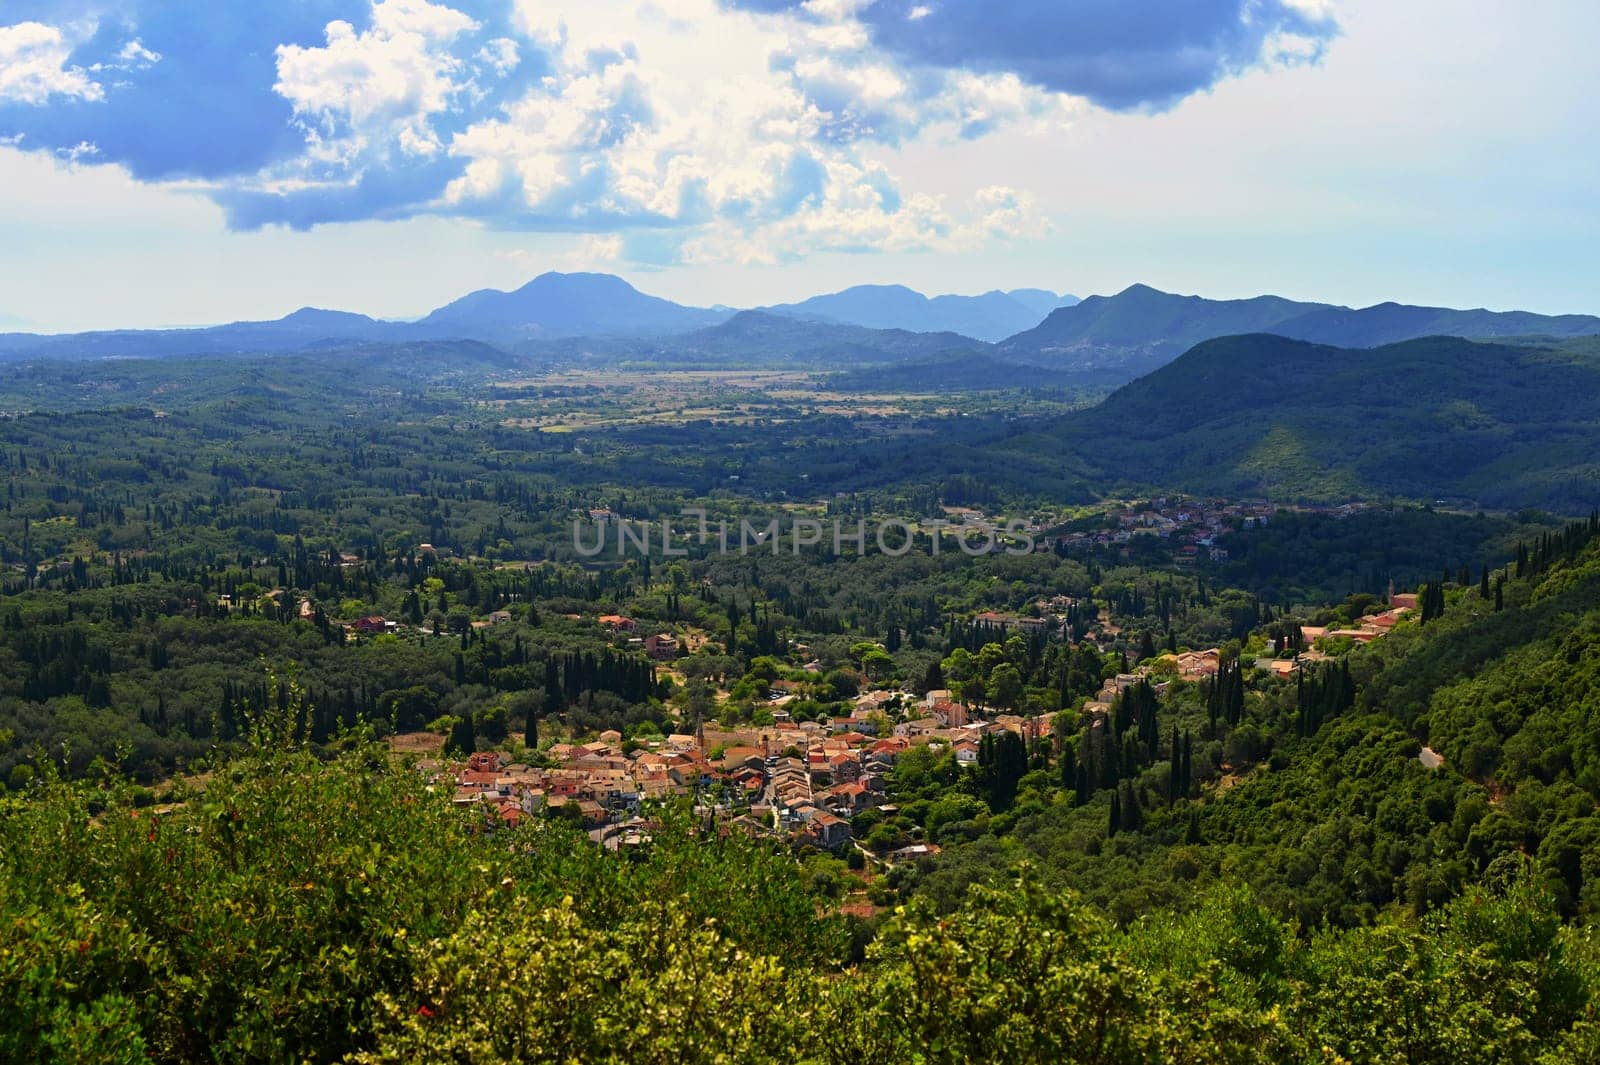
(170,162)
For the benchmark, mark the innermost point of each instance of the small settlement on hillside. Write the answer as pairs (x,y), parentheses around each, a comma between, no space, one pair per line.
(806,780)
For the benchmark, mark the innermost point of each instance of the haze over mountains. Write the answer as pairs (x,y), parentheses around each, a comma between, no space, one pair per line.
(990,317)
(1102,340)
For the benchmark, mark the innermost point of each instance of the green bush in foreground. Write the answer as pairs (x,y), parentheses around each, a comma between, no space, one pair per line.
(307,911)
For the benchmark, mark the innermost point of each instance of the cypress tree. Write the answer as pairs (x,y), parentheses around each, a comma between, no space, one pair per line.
(463,736)
(1132,812)
(1174,768)
(1186,769)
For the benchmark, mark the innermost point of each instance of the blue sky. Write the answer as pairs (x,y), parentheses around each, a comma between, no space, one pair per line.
(174,162)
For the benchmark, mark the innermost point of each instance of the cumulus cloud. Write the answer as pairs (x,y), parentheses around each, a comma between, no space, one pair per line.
(696,130)
(34,66)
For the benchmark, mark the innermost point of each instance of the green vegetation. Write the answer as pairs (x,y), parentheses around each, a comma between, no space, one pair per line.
(1494,425)
(302,910)
(233,593)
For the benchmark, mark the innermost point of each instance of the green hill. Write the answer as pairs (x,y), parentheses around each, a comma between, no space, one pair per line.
(1500,425)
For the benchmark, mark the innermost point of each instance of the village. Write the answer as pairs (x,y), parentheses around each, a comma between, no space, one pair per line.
(807,781)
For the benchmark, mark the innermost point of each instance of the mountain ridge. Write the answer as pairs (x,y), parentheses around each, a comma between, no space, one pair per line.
(1142,328)
(1111,339)
(990,316)
(1476,422)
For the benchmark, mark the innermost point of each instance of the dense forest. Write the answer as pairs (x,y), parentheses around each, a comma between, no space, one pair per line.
(233,591)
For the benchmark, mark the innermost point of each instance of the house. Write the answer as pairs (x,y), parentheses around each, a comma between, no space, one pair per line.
(844,767)
(485,762)
(873,700)
(591,813)
(951,715)
(617,623)
(910,730)
(370,625)
(1194,664)
(828,831)
(499,617)
(510,813)
(1386,620)
(888,750)
(966,752)
(735,758)
(681,741)
(661,647)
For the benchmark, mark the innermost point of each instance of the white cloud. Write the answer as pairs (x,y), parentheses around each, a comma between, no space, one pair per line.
(34,66)
(134,53)
(689,129)
(383,83)
(730,136)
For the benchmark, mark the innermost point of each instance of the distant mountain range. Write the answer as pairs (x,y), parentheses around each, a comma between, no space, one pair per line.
(1142,328)
(992,316)
(1499,424)
(1102,340)
(553,310)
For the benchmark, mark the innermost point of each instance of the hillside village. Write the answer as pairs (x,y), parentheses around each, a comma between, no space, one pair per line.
(806,781)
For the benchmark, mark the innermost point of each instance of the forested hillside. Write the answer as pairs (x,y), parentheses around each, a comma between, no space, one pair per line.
(1492,424)
(1312,789)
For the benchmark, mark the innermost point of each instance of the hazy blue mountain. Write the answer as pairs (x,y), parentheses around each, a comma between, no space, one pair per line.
(1142,328)
(1389,323)
(307,327)
(757,332)
(991,316)
(565,305)
(758,339)
(1042,301)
